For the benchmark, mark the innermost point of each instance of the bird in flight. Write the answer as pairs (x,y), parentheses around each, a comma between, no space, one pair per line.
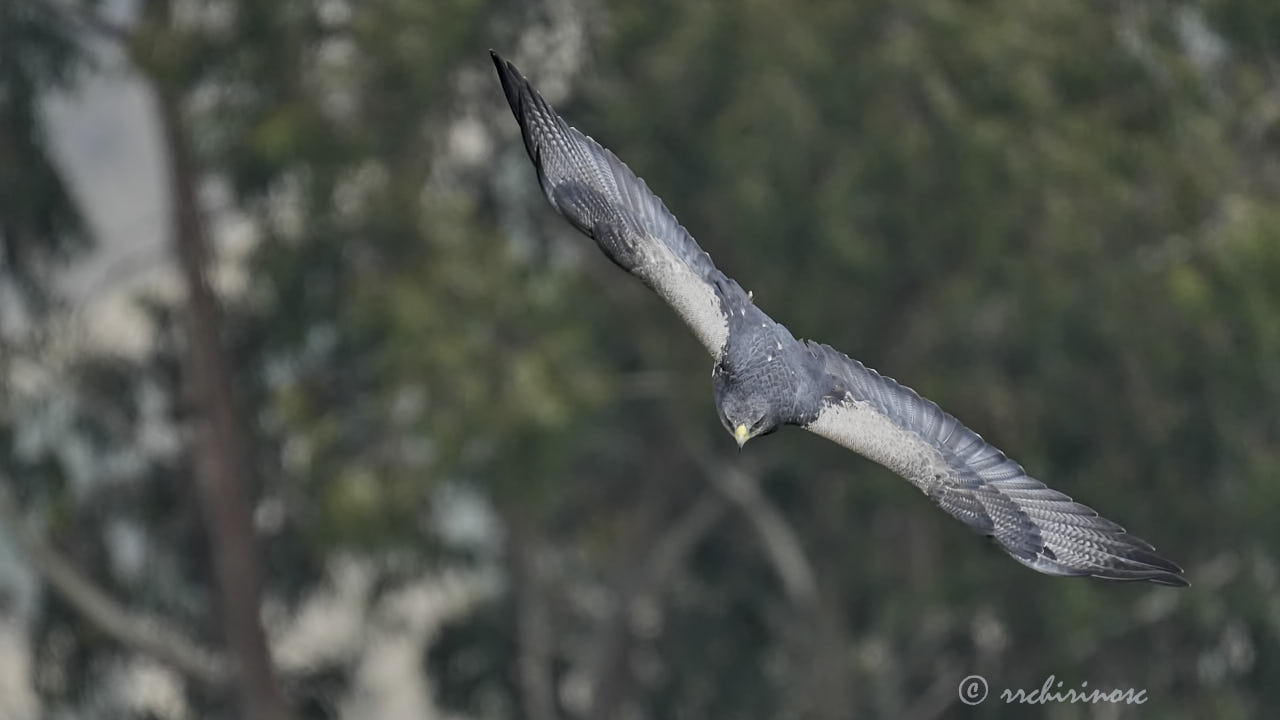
(763,377)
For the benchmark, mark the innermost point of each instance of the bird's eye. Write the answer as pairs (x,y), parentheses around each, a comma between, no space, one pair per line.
(756,425)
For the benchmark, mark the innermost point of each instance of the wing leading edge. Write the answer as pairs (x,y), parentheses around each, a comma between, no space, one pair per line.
(598,194)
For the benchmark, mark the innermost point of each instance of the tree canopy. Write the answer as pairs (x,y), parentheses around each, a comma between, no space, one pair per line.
(482,467)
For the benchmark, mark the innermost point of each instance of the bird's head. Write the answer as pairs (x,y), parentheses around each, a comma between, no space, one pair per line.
(743,411)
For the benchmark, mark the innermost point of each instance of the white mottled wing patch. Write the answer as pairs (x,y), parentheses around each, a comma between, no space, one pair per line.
(693,299)
(869,432)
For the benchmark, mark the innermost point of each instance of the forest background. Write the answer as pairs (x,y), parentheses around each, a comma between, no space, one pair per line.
(310,407)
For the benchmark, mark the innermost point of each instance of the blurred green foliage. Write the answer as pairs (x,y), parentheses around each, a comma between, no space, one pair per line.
(1057,220)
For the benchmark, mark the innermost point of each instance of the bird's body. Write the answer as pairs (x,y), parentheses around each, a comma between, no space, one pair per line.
(763,377)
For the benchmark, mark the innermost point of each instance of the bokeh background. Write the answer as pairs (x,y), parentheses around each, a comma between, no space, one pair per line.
(311,408)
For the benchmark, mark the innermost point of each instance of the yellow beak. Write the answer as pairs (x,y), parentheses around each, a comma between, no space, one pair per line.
(741,434)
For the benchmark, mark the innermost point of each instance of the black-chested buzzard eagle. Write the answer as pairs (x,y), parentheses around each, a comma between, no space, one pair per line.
(764,377)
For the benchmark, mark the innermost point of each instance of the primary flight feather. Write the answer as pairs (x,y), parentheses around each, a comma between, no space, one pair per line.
(763,377)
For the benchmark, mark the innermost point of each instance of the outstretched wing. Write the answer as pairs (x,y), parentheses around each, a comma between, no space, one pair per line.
(599,195)
(973,481)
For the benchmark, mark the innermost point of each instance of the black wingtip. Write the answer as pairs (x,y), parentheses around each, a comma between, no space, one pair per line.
(512,80)
(1145,566)
(528,107)
(503,65)
(1166,579)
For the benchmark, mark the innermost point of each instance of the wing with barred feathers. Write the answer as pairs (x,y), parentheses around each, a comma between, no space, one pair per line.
(600,196)
(974,481)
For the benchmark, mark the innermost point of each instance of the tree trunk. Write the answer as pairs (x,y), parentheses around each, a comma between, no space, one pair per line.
(219,452)
(533,622)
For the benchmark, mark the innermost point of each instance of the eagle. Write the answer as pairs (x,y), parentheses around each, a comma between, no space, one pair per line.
(763,377)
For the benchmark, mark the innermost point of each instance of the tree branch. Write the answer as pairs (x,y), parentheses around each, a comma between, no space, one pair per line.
(614,636)
(147,635)
(939,697)
(781,545)
(533,628)
(820,686)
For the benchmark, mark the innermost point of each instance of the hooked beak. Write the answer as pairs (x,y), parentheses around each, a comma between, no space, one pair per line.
(742,435)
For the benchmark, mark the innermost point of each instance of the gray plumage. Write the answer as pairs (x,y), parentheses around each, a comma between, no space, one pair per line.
(763,377)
